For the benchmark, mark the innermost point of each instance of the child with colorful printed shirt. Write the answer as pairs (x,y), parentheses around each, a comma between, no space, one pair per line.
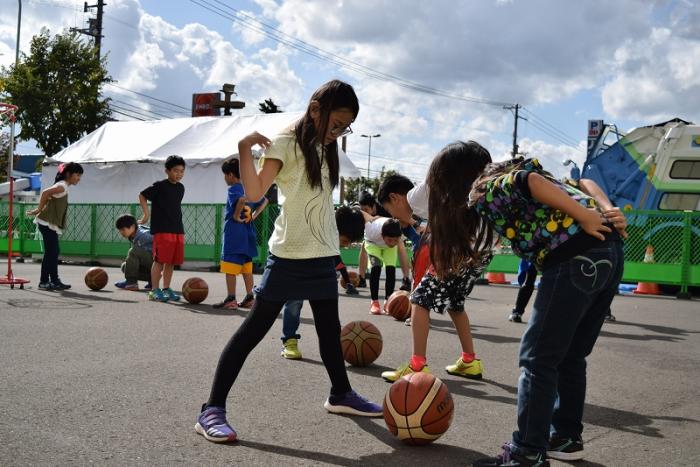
(574,238)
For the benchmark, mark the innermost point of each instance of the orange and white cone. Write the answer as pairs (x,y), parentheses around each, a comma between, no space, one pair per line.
(648,288)
(496,278)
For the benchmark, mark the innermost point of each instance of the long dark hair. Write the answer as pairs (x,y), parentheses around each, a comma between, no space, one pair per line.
(66,170)
(459,236)
(491,172)
(333,95)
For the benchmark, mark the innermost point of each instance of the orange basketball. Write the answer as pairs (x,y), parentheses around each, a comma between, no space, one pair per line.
(361,342)
(96,278)
(195,290)
(399,305)
(354,279)
(418,408)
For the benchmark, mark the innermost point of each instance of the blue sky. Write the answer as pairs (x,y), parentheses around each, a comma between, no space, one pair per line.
(630,62)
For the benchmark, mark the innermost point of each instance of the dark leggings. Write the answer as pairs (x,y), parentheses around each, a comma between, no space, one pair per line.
(258,323)
(339,266)
(526,290)
(49,264)
(374,274)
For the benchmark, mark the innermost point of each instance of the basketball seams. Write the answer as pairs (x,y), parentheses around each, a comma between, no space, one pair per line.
(195,290)
(427,400)
(361,343)
(408,427)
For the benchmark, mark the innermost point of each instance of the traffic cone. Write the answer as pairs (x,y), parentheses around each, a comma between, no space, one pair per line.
(496,278)
(648,288)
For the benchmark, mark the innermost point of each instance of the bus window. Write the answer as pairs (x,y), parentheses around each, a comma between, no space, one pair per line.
(680,202)
(689,170)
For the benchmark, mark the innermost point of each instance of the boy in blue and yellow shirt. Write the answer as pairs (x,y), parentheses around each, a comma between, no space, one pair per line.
(240,244)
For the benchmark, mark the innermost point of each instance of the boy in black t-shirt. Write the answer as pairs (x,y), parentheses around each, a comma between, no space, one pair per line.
(166,226)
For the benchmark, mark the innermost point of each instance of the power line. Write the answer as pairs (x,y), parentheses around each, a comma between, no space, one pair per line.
(134,112)
(388,159)
(124,23)
(141,109)
(551,134)
(432,120)
(149,97)
(275,34)
(171,112)
(131,113)
(552,128)
(127,115)
(279,36)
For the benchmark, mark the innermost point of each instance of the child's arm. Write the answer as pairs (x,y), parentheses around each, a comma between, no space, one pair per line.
(144,208)
(260,208)
(46,195)
(237,210)
(612,213)
(547,193)
(256,184)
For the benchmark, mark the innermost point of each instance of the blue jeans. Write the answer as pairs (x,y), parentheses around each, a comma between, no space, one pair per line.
(290,319)
(573,298)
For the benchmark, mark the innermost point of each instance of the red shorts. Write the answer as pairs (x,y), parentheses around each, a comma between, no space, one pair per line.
(421,262)
(169,248)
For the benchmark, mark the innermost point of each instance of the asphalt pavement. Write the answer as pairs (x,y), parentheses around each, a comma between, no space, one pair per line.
(109,378)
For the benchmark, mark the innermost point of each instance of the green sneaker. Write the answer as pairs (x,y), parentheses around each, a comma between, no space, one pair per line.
(403,370)
(157,295)
(170,293)
(471,370)
(291,350)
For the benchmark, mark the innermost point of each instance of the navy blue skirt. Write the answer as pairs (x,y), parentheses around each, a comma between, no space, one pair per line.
(298,279)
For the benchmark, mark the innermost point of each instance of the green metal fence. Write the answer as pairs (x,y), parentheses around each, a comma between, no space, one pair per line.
(674,236)
(90,231)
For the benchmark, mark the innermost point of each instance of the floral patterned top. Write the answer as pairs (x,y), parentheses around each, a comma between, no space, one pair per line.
(534,229)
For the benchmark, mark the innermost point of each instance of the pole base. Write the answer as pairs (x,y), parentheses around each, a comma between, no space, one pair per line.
(12,281)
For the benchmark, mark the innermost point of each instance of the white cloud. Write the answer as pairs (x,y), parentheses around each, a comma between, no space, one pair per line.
(552,156)
(194,58)
(656,79)
(57,17)
(529,52)
(250,35)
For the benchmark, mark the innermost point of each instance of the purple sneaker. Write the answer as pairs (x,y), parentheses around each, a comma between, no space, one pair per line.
(212,424)
(351,403)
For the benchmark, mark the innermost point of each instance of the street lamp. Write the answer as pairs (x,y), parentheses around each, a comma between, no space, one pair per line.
(369,151)
(575,173)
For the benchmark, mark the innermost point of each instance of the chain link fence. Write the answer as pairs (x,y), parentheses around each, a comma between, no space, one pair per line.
(663,246)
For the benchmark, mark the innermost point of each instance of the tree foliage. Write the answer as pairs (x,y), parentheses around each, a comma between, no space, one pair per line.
(269,107)
(57,89)
(353,186)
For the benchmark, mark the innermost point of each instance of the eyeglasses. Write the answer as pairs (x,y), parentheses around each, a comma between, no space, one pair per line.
(338,132)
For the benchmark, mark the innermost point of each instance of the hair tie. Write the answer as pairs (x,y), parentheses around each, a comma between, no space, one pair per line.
(61,167)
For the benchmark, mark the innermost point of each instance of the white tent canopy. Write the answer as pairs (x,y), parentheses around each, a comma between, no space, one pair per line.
(122,158)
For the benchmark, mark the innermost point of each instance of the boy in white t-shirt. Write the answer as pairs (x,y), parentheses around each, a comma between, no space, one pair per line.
(382,235)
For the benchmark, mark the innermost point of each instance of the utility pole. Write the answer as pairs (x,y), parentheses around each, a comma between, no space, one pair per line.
(369,151)
(344,146)
(516,107)
(94,28)
(227,104)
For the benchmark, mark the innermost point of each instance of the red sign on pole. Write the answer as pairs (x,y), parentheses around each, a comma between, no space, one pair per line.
(203,104)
